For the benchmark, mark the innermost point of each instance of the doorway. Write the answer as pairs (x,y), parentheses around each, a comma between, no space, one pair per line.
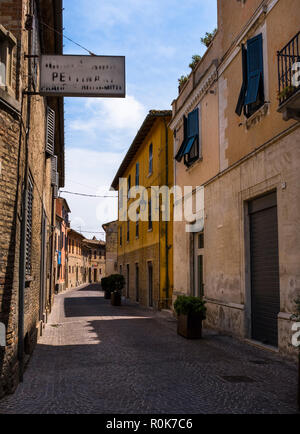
(150,284)
(198,290)
(264,260)
(137,289)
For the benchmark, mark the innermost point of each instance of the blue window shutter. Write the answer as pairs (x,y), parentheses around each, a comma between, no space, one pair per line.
(255,68)
(193,123)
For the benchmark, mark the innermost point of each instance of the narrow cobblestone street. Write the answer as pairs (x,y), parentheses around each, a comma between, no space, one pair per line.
(95,358)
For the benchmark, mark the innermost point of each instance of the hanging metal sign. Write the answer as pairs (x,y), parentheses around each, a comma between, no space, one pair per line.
(86,76)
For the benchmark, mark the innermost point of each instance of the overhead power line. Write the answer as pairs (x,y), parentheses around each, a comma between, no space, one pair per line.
(88,195)
(90,232)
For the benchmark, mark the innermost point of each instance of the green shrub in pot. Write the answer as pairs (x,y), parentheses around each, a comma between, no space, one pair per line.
(186,305)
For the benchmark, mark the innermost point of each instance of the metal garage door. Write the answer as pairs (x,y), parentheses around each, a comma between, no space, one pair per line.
(265,292)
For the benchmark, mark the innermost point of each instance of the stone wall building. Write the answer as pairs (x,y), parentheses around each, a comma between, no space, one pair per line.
(245,255)
(111,263)
(95,267)
(31,132)
(145,255)
(76,254)
(60,272)
(86,260)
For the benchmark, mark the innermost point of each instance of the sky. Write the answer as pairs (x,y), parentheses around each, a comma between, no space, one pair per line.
(158,39)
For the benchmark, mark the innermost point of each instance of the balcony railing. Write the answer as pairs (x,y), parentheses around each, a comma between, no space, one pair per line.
(287,60)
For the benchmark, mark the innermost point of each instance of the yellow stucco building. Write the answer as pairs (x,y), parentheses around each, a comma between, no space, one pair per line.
(145,248)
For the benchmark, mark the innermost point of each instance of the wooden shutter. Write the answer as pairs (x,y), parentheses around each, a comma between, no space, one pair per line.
(179,154)
(255,68)
(241,100)
(28,239)
(50,131)
(53,169)
(193,123)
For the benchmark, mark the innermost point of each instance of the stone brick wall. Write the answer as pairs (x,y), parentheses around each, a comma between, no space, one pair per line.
(17,113)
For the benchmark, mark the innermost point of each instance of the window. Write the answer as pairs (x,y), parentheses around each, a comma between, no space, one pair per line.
(137,174)
(129,185)
(121,199)
(189,149)
(252,96)
(137,226)
(121,236)
(128,229)
(73,246)
(201,241)
(150,225)
(28,240)
(127,286)
(150,284)
(95,254)
(137,295)
(7,44)
(150,159)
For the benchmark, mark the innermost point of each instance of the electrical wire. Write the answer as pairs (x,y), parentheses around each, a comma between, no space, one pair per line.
(88,195)
(67,37)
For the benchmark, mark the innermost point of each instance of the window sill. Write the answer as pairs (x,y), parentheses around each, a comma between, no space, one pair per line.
(188,169)
(257,116)
(6,94)
(150,230)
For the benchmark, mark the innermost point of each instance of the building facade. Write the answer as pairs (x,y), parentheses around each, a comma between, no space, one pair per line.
(95,267)
(111,263)
(245,260)
(32,169)
(86,259)
(76,254)
(60,273)
(145,255)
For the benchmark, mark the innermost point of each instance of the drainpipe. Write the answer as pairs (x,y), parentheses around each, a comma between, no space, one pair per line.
(51,282)
(22,265)
(167,226)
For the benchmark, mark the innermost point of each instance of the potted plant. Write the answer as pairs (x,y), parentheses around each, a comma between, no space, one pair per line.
(191,312)
(117,283)
(296,317)
(105,283)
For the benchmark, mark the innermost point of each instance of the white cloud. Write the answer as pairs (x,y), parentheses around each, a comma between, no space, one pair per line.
(107,123)
(91,172)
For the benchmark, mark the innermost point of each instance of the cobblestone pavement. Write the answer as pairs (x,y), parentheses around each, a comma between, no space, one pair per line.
(95,358)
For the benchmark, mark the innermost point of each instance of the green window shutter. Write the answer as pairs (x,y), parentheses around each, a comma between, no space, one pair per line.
(179,154)
(255,68)
(241,100)
(193,124)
